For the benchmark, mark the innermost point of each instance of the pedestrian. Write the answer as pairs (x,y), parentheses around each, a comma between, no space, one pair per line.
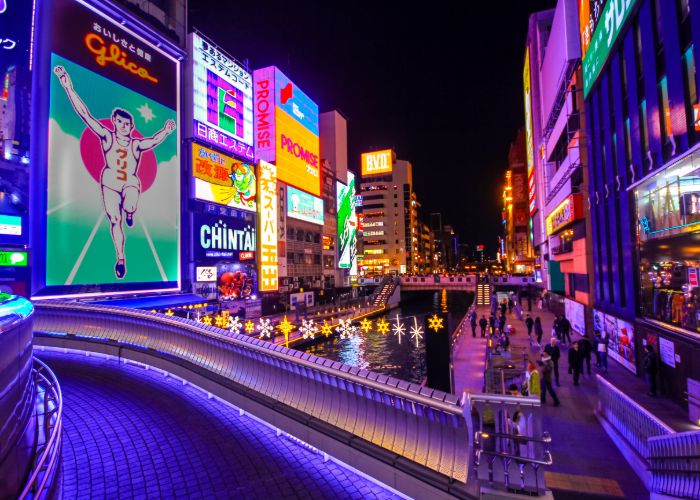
(552,349)
(650,368)
(492,324)
(565,328)
(504,306)
(596,342)
(529,323)
(575,362)
(472,321)
(483,323)
(502,323)
(538,330)
(556,332)
(510,304)
(586,350)
(547,367)
(603,352)
(532,379)
(519,430)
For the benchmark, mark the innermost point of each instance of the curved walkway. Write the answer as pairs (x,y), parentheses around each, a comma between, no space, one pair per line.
(131,432)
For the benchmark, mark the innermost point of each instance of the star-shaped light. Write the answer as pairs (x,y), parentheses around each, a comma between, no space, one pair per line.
(308,329)
(398,328)
(286,328)
(326,329)
(235,325)
(265,328)
(146,112)
(382,326)
(206,320)
(249,327)
(435,323)
(416,331)
(366,325)
(169,312)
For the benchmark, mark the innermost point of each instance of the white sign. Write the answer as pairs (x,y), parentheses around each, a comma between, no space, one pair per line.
(576,314)
(206,274)
(300,298)
(667,351)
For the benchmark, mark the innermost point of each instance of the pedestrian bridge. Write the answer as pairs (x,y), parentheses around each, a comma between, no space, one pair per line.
(437,282)
(414,439)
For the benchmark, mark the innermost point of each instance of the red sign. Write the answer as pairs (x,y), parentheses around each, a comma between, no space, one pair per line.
(246,256)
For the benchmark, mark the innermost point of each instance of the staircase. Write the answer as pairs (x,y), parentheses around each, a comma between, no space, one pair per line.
(483,294)
(383,293)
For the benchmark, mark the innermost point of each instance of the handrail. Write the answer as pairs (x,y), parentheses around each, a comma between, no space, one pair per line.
(48,459)
(547,459)
(267,348)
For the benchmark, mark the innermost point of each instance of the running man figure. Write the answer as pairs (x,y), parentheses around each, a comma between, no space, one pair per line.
(121,187)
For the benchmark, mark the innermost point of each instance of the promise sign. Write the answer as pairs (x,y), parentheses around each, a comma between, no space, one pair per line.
(267,189)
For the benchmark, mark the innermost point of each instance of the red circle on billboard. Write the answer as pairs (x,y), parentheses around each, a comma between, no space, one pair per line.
(94,159)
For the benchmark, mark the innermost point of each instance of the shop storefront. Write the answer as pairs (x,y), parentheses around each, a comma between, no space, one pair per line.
(668,230)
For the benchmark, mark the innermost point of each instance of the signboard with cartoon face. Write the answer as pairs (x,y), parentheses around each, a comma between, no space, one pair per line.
(220,178)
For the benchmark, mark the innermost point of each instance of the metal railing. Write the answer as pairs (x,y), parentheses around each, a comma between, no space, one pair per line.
(413,423)
(508,456)
(634,423)
(49,415)
(674,462)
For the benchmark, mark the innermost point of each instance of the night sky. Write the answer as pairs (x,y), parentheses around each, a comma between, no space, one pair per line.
(441,84)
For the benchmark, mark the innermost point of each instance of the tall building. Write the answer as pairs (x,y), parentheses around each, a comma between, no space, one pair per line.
(436,230)
(389,215)
(641,93)
(539,27)
(561,165)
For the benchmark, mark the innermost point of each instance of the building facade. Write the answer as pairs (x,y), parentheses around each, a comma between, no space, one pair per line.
(640,86)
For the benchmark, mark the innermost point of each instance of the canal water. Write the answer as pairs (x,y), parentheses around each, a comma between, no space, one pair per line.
(383,353)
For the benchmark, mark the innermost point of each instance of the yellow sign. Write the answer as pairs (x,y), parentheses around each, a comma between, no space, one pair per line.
(222,179)
(267,178)
(297,154)
(377,162)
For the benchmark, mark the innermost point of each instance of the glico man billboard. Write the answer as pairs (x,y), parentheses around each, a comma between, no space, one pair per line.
(113,180)
(222,99)
(286,130)
(347,225)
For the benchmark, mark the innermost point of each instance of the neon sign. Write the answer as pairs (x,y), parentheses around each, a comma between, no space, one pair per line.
(96,44)
(267,189)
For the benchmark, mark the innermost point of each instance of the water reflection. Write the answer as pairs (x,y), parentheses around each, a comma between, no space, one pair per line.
(383,353)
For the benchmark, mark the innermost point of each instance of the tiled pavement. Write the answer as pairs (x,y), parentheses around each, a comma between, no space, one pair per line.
(133,433)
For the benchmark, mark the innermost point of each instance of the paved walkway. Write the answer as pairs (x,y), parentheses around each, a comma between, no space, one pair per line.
(133,433)
(469,358)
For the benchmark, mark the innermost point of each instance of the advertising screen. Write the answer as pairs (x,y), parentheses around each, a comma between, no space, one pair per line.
(303,206)
(267,188)
(113,193)
(377,162)
(222,179)
(236,281)
(222,238)
(286,130)
(347,224)
(620,335)
(222,99)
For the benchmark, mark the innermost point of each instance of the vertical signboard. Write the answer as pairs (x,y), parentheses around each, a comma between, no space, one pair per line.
(529,139)
(113,183)
(267,189)
(347,225)
(286,130)
(222,99)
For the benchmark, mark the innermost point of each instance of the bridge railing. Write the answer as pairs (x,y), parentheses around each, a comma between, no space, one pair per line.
(418,425)
(469,280)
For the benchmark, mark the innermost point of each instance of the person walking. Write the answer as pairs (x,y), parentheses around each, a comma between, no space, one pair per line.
(529,323)
(552,349)
(556,332)
(575,362)
(510,304)
(538,330)
(565,328)
(504,306)
(532,380)
(650,368)
(483,323)
(502,324)
(586,350)
(492,324)
(603,352)
(547,367)
(472,322)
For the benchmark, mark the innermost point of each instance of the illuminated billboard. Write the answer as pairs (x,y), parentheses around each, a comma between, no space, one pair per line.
(377,162)
(216,237)
(268,260)
(222,179)
(529,139)
(347,225)
(222,99)
(286,130)
(113,180)
(303,206)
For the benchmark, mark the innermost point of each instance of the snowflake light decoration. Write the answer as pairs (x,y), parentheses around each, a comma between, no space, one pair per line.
(344,328)
(398,328)
(265,328)
(366,325)
(416,331)
(308,329)
(221,320)
(249,327)
(382,326)
(326,329)
(234,324)
(435,323)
